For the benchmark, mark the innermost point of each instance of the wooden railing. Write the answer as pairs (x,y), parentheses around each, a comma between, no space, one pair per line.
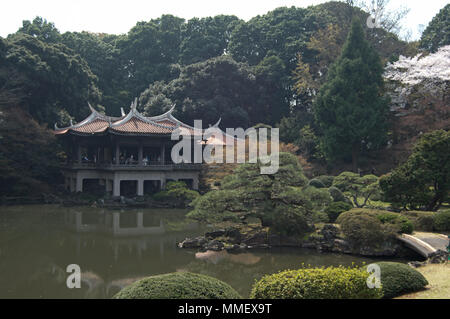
(134,166)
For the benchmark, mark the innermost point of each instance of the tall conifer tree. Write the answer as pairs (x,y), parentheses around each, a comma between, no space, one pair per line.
(350,109)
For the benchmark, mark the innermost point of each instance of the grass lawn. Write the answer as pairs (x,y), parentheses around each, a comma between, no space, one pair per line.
(438,277)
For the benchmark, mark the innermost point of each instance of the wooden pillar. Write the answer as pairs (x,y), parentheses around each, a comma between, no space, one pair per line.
(195,183)
(116,186)
(79,185)
(117,154)
(108,185)
(140,154)
(78,153)
(163,153)
(140,187)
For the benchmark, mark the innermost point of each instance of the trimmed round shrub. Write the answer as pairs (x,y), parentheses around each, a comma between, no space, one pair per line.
(319,197)
(398,279)
(442,220)
(287,221)
(423,221)
(337,195)
(364,230)
(316,183)
(316,283)
(335,209)
(326,180)
(178,285)
(371,228)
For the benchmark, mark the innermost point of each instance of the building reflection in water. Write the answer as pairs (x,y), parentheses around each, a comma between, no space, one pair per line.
(129,234)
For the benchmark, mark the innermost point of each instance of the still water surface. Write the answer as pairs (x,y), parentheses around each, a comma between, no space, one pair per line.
(114,248)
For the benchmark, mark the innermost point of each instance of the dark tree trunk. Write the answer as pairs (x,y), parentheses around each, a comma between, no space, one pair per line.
(355,153)
(434,204)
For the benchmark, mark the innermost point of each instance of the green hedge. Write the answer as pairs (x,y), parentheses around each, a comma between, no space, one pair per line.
(179,285)
(336,194)
(442,220)
(316,283)
(398,279)
(423,221)
(335,209)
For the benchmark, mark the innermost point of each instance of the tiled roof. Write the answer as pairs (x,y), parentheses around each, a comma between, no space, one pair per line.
(166,122)
(134,123)
(95,126)
(137,126)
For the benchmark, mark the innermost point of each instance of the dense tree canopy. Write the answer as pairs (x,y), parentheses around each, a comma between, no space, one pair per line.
(28,155)
(218,88)
(102,56)
(41,29)
(48,80)
(211,68)
(350,109)
(205,38)
(437,33)
(149,50)
(423,181)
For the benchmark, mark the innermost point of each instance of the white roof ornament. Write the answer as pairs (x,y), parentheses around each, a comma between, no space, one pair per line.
(122,112)
(71,123)
(134,105)
(56,127)
(218,122)
(91,108)
(171,110)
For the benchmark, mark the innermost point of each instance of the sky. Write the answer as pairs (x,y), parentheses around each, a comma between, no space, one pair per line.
(112,16)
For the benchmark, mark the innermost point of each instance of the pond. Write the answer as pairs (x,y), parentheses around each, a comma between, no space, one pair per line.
(113,248)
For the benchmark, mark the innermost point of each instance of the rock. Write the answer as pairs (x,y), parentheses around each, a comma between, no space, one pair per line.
(214,245)
(197,242)
(215,234)
(341,246)
(329,232)
(232,248)
(417,264)
(233,233)
(383,252)
(259,238)
(236,248)
(438,257)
